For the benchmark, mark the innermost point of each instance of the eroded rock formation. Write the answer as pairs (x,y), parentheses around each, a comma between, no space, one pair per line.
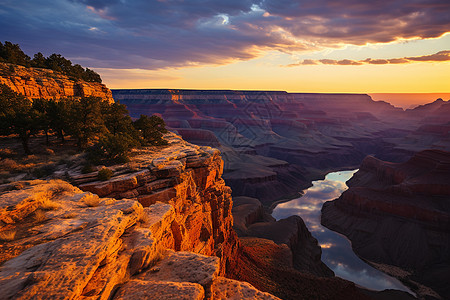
(252,221)
(397,216)
(166,233)
(275,143)
(186,176)
(45,83)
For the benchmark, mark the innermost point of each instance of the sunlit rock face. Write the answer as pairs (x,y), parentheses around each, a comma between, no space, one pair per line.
(275,143)
(47,84)
(397,216)
(186,176)
(59,242)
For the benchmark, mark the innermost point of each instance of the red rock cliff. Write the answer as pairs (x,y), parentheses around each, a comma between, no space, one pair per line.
(187,177)
(45,83)
(166,234)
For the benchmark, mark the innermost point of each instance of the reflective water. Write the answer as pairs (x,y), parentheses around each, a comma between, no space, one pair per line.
(337,252)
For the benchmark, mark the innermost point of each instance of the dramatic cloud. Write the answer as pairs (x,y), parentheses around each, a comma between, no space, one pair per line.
(152,34)
(440,56)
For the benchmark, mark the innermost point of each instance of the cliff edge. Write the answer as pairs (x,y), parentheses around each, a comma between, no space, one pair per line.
(167,232)
(45,83)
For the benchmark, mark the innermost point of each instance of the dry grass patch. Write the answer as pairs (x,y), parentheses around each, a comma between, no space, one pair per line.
(91,200)
(48,204)
(7,236)
(39,216)
(8,164)
(46,198)
(60,187)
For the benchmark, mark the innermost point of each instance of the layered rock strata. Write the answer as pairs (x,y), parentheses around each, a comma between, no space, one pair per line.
(398,218)
(275,143)
(59,242)
(47,84)
(186,176)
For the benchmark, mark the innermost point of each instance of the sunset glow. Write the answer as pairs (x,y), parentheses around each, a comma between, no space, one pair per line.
(297,46)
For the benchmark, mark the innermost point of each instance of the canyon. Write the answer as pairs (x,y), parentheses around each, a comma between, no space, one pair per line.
(167,223)
(397,216)
(275,143)
(160,227)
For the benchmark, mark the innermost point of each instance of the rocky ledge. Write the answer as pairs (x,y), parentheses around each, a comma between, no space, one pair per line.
(45,83)
(160,227)
(59,242)
(397,216)
(186,176)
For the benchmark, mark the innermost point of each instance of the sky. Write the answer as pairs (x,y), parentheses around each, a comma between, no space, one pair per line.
(346,46)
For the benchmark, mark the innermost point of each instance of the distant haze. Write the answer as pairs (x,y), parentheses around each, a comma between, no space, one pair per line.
(409,100)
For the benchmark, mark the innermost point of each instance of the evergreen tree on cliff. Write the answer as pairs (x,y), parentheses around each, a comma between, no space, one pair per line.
(86,122)
(11,53)
(58,114)
(17,116)
(117,119)
(41,106)
(152,129)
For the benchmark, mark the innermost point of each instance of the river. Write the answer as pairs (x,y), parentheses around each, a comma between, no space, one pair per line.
(337,252)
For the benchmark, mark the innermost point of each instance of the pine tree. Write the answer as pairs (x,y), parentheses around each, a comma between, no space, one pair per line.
(17,116)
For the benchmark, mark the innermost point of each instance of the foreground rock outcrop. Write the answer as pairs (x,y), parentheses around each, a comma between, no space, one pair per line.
(186,176)
(47,84)
(398,218)
(59,242)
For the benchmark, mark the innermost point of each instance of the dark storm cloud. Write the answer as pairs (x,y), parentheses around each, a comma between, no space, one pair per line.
(175,33)
(359,22)
(440,56)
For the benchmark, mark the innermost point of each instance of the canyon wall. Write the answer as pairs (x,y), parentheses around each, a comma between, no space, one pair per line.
(167,232)
(397,216)
(70,244)
(47,84)
(275,143)
(161,226)
(186,176)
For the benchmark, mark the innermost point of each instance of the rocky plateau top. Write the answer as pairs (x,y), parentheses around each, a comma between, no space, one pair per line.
(47,84)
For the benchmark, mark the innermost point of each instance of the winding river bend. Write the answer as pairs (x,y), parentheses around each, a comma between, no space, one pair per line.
(337,252)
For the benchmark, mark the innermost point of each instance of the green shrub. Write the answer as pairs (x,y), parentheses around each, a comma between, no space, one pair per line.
(105,174)
(151,129)
(112,148)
